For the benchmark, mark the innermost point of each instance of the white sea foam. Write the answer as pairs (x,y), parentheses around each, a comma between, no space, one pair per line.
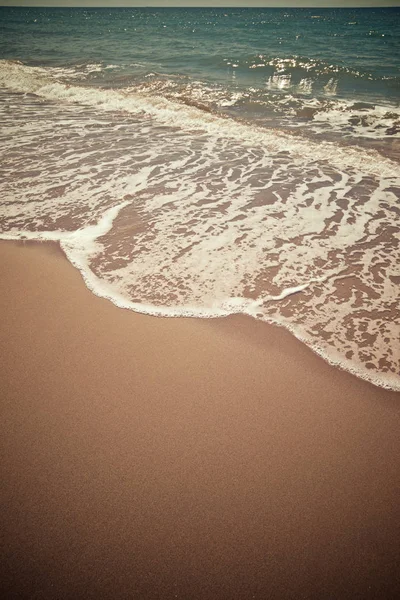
(23,79)
(188,214)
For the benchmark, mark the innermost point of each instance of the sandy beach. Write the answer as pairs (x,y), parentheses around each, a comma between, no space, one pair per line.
(181,458)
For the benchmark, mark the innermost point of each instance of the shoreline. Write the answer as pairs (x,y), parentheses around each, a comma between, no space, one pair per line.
(190,458)
(389,382)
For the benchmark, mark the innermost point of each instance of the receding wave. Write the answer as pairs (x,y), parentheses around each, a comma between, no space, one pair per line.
(173,210)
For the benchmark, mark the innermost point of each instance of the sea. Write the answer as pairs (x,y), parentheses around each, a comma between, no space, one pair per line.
(203,162)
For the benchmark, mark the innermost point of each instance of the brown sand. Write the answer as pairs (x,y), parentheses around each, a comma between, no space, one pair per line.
(177,458)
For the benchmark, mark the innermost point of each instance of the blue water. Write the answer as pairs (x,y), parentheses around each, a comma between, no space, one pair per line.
(204,162)
(263,56)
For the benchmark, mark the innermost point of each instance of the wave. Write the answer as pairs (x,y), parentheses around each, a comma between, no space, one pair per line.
(304,66)
(196,114)
(173,210)
(80,245)
(281,102)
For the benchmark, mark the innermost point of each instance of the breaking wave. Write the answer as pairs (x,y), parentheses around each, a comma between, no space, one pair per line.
(173,210)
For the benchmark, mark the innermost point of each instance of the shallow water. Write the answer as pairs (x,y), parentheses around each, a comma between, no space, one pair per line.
(209,162)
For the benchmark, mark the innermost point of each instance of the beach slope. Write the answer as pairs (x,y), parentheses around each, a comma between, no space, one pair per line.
(181,458)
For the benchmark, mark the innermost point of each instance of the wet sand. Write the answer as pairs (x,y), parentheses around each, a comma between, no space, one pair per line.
(180,458)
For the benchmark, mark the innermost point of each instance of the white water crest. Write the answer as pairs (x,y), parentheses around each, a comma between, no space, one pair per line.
(46,84)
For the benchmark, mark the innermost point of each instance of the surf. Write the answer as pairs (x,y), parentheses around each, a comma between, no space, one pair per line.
(175,211)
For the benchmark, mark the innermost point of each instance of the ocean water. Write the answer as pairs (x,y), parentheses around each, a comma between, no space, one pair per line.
(204,162)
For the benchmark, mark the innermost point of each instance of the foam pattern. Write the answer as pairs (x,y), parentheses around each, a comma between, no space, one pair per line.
(171,210)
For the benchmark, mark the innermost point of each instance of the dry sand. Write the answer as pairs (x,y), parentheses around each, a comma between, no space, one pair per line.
(176,458)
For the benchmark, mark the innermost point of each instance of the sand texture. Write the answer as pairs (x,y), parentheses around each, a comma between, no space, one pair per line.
(151,458)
